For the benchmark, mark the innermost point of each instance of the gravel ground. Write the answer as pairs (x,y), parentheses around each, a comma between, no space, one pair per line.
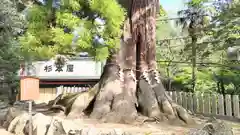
(156,129)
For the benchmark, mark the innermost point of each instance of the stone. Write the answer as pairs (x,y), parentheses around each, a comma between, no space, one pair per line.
(213,127)
(10,114)
(17,125)
(70,126)
(40,124)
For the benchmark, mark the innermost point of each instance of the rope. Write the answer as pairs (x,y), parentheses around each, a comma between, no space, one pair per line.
(144,75)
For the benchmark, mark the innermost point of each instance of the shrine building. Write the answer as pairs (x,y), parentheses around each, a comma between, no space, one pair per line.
(76,75)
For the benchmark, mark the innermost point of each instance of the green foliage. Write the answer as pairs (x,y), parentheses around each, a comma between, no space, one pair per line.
(214,71)
(162,12)
(50,30)
(227,31)
(196,3)
(11,24)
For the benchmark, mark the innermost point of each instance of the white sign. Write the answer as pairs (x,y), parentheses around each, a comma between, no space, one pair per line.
(75,68)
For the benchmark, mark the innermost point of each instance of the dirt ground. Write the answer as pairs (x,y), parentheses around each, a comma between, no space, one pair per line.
(155,129)
(152,128)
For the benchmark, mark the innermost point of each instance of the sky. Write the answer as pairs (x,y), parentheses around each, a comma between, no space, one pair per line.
(172,6)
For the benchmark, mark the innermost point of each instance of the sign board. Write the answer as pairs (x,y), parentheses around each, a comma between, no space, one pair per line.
(72,69)
(29,88)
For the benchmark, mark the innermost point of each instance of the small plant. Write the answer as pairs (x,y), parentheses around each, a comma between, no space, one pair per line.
(60,60)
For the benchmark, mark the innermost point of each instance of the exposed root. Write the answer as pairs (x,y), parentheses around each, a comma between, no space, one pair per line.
(151,119)
(104,99)
(156,104)
(81,103)
(73,104)
(109,101)
(115,102)
(56,108)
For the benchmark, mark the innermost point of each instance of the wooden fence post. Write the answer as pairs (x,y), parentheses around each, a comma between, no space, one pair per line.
(195,103)
(75,89)
(174,96)
(69,89)
(64,90)
(190,101)
(214,104)
(184,100)
(207,109)
(72,89)
(220,105)
(236,106)
(169,93)
(201,105)
(228,105)
(179,98)
(58,91)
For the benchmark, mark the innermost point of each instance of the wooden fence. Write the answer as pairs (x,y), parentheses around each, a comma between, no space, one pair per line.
(209,104)
(47,94)
(61,89)
(198,103)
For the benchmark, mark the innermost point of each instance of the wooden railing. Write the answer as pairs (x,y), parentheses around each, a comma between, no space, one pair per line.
(198,103)
(209,104)
(62,89)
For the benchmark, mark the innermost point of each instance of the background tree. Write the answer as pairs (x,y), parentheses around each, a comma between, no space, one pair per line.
(193,19)
(11,25)
(225,32)
(216,73)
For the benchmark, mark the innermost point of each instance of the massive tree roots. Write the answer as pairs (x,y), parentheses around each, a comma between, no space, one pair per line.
(116,99)
(115,102)
(155,103)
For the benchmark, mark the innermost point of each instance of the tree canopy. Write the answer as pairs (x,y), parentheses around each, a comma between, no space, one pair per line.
(68,27)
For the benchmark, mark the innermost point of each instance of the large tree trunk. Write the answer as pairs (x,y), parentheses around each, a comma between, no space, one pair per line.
(153,100)
(116,99)
(119,95)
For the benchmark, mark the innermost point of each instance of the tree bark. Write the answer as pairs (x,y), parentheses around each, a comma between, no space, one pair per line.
(194,60)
